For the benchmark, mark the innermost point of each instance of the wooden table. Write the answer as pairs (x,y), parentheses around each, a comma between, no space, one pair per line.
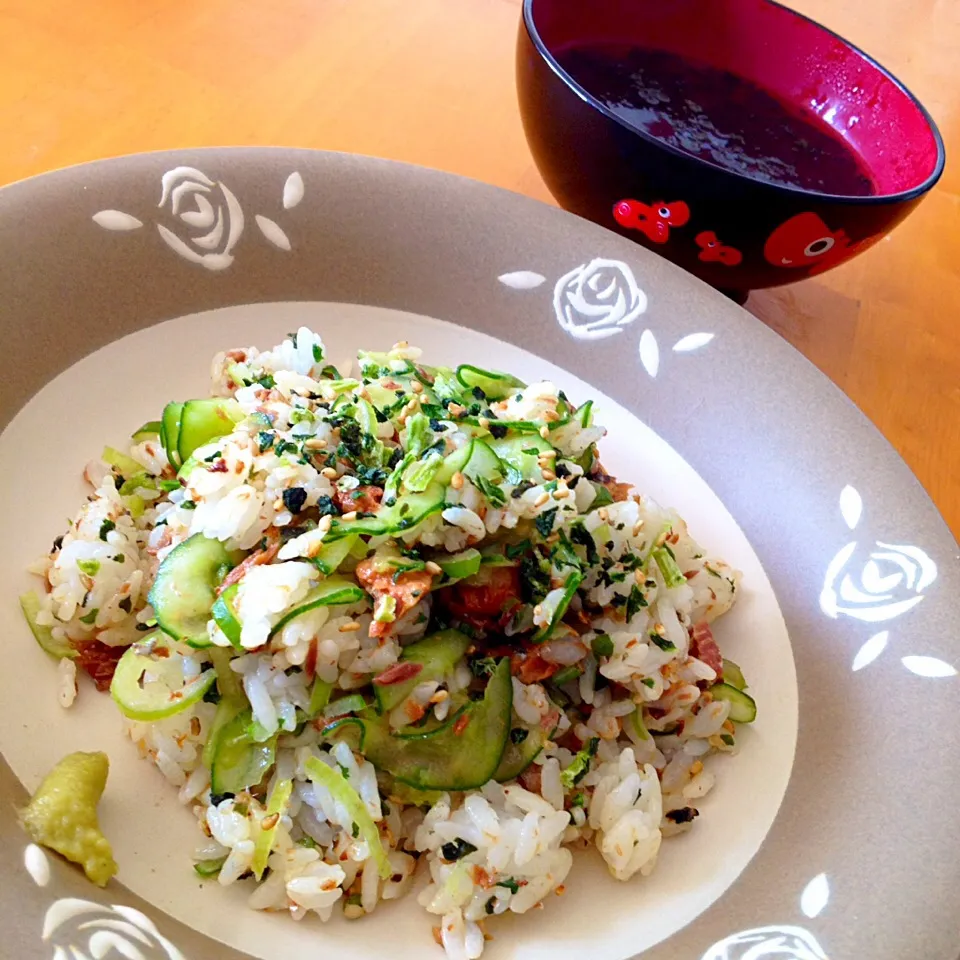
(432,82)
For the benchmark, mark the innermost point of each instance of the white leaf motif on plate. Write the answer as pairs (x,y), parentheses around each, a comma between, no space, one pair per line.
(871,650)
(273,232)
(886,584)
(292,191)
(768,943)
(116,220)
(851,506)
(929,667)
(37,865)
(83,930)
(522,279)
(597,299)
(692,341)
(815,896)
(649,352)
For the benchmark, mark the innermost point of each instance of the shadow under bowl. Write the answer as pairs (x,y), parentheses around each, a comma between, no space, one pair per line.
(735,231)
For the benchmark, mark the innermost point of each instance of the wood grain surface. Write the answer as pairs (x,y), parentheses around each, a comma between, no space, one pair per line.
(432,82)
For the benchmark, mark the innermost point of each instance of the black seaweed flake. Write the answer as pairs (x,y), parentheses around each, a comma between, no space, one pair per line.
(294,498)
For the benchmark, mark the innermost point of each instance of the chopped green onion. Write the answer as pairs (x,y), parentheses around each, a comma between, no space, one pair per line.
(580,764)
(672,574)
(602,645)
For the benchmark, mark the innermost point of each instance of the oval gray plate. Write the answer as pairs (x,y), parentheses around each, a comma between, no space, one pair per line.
(861,861)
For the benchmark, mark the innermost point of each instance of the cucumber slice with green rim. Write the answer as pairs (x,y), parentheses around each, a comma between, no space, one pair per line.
(352,703)
(150,687)
(517,756)
(238,761)
(436,655)
(733,675)
(456,566)
(319,696)
(521,453)
(330,593)
(170,431)
(408,512)
(184,591)
(343,793)
(30,605)
(224,613)
(228,709)
(462,754)
(202,421)
(148,431)
(276,808)
(494,384)
(331,555)
(126,466)
(560,608)
(635,720)
(743,708)
(209,868)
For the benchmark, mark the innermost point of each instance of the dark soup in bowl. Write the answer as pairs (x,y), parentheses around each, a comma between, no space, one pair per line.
(719,117)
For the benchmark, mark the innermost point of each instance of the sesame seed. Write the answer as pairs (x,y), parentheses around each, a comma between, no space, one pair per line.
(439,696)
(561,890)
(695,767)
(456,481)
(637,528)
(352,515)
(537,611)
(561,493)
(315,443)
(401,345)
(659,629)
(551,416)
(433,568)
(603,515)
(483,422)
(541,500)
(639,576)
(324,523)
(715,741)
(416,386)
(454,409)
(351,627)
(329,472)
(545,432)
(728,726)
(548,454)
(268,823)
(548,475)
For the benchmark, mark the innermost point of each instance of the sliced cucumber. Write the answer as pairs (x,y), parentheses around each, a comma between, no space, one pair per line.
(462,754)
(204,420)
(184,591)
(149,430)
(331,555)
(224,613)
(319,696)
(436,655)
(30,605)
(238,761)
(228,709)
(126,466)
(522,453)
(329,593)
(147,686)
(733,675)
(408,512)
(456,566)
(170,431)
(276,808)
(494,384)
(518,756)
(743,708)
(635,720)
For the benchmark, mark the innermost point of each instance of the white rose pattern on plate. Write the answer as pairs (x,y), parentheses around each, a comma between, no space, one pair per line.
(597,299)
(889,582)
(768,943)
(205,218)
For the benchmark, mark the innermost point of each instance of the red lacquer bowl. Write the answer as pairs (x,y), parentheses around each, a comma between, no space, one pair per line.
(735,232)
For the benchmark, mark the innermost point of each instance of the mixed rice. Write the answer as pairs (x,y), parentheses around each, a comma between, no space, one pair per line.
(397,622)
